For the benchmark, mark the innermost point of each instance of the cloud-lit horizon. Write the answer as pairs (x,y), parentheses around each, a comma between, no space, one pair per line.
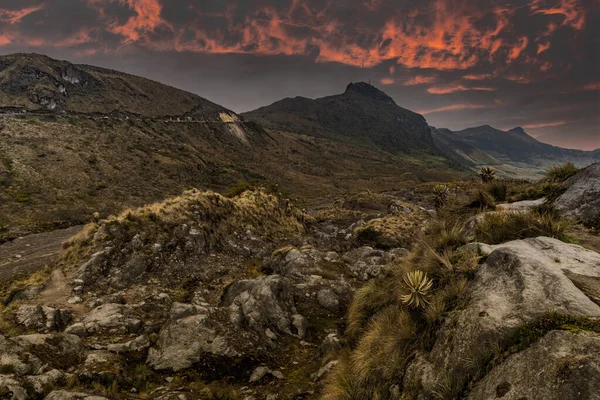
(461,63)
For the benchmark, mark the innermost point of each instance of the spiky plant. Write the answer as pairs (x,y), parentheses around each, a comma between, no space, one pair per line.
(487,174)
(441,193)
(419,286)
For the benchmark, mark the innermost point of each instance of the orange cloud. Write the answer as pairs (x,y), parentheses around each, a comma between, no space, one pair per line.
(544,125)
(543,47)
(456,88)
(147,19)
(15,16)
(420,80)
(517,49)
(478,77)
(592,86)
(571,10)
(387,81)
(454,107)
(434,34)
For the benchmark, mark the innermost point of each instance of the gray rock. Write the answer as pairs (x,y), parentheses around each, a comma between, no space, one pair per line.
(59,350)
(301,325)
(64,395)
(328,299)
(582,198)
(101,364)
(17,392)
(330,343)
(77,329)
(184,342)
(258,374)
(94,267)
(365,262)
(317,376)
(562,365)
(141,343)
(16,359)
(112,316)
(277,375)
(75,300)
(520,282)
(265,302)
(521,206)
(41,383)
(43,318)
(332,256)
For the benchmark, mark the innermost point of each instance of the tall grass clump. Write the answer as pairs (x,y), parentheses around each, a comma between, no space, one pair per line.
(498,189)
(483,201)
(560,173)
(503,227)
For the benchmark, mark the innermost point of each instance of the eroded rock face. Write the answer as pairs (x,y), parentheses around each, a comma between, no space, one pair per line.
(520,282)
(582,198)
(570,364)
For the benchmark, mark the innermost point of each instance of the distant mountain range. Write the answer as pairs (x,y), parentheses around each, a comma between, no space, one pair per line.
(366,116)
(514,152)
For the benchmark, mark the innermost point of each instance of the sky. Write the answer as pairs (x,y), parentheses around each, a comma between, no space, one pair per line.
(460,63)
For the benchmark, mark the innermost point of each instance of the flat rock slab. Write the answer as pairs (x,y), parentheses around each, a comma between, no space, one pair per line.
(521,205)
(31,253)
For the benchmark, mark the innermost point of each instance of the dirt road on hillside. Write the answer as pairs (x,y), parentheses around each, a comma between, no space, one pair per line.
(32,252)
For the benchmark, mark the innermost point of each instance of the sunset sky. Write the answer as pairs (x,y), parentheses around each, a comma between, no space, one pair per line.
(461,63)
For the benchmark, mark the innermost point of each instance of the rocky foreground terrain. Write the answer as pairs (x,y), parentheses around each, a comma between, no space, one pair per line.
(407,295)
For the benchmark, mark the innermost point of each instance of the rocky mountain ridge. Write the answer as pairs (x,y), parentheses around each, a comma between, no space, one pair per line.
(33,82)
(362,114)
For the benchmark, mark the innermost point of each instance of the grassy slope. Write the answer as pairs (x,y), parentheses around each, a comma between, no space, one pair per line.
(59,170)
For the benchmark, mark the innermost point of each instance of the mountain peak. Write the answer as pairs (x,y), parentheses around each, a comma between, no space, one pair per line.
(370,91)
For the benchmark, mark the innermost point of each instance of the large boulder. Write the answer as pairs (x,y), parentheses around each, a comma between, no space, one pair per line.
(43,318)
(16,360)
(59,350)
(570,364)
(196,334)
(111,316)
(262,303)
(582,198)
(520,282)
(11,389)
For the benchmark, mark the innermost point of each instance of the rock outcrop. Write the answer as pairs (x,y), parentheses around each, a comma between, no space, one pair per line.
(581,201)
(561,365)
(520,283)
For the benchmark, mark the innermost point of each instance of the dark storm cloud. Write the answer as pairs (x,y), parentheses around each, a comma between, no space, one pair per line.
(459,62)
